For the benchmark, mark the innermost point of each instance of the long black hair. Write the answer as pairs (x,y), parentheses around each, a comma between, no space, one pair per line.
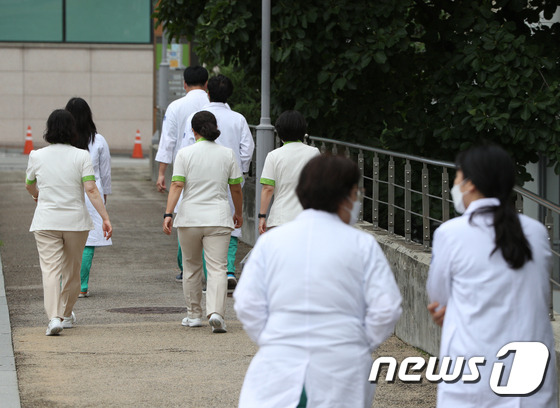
(492,171)
(84,121)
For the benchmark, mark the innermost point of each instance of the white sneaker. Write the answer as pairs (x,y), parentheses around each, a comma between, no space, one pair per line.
(196,322)
(54,327)
(217,323)
(69,322)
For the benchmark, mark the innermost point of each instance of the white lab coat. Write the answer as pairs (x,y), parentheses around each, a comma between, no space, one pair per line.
(174,121)
(317,296)
(490,305)
(101,161)
(234,133)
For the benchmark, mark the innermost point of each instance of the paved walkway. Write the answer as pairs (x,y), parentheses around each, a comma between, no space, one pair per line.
(128,348)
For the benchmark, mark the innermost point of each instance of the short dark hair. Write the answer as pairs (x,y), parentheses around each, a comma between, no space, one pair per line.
(85,127)
(204,123)
(61,128)
(195,76)
(291,126)
(325,181)
(220,88)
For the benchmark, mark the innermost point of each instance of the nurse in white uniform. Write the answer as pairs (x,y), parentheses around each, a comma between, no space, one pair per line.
(101,161)
(205,170)
(56,178)
(489,283)
(317,296)
(281,171)
(236,135)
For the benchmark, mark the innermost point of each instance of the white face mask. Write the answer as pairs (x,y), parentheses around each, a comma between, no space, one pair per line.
(457,196)
(355,210)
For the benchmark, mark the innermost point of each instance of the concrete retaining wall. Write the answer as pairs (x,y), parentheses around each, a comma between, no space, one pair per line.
(410,263)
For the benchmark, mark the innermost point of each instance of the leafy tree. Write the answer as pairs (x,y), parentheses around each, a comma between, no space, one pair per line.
(429,77)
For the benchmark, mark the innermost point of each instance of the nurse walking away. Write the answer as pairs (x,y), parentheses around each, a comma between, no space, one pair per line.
(489,281)
(100,156)
(318,297)
(235,134)
(204,220)
(281,171)
(56,178)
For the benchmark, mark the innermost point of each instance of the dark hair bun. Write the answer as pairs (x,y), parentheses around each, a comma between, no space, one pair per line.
(209,131)
(204,123)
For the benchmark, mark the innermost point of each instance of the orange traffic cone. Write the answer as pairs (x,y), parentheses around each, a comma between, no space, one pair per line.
(28,142)
(137,152)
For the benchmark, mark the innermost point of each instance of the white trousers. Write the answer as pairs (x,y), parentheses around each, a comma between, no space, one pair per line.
(215,242)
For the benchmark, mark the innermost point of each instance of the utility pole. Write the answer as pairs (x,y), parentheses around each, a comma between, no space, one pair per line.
(265,130)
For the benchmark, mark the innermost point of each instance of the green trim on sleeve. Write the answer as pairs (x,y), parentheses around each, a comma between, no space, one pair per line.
(27,181)
(88,178)
(179,178)
(268,182)
(238,180)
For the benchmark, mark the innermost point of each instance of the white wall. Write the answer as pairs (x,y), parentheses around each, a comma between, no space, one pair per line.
(115,80)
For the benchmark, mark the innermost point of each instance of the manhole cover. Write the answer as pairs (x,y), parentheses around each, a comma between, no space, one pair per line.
(149,310)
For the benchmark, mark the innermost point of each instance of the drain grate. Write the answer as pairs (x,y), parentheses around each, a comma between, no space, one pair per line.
(149,310)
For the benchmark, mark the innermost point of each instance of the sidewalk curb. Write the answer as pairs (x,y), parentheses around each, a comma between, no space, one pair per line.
(9,391)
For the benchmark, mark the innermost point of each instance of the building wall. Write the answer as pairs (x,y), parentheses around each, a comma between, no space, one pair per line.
(115,80)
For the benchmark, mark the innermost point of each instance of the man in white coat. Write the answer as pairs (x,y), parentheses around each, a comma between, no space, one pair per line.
(318,297)
(195,80)
(236,135)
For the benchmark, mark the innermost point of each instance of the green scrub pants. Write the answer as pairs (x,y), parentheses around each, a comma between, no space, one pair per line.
(302,400)
(87,258)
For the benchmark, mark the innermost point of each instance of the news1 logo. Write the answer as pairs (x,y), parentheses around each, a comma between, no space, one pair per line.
(526,375)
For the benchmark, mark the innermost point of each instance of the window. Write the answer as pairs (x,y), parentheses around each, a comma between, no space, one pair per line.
(76,21)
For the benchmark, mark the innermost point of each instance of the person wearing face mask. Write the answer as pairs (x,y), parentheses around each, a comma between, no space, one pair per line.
(489,281)
(317,296)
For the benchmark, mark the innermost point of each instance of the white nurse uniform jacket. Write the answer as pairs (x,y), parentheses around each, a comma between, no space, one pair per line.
(101,161)
(490,305)
(317,296)
(234,133)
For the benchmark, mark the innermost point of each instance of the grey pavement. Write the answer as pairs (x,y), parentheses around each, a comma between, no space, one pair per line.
(9,394)
(128,347)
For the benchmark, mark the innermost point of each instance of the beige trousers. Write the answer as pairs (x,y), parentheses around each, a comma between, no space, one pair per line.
(215,242)
(60,256)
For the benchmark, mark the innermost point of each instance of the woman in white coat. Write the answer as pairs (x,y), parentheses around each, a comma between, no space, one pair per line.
(318,297)
(489,282)
(101,160)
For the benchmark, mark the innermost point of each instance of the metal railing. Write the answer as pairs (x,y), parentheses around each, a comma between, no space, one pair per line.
(402,186)
(398,197)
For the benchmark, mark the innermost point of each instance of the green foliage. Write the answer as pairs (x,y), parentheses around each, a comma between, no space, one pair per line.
(245,100)
(425,77)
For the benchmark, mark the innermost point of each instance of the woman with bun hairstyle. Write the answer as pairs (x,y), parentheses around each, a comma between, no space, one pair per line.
(203,172)
(489,287)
